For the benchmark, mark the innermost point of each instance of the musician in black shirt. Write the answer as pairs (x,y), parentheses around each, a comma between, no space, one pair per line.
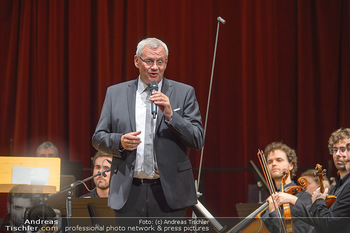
(279,156)
(100,164)
(335,218)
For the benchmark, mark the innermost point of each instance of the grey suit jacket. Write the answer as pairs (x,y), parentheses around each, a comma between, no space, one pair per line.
(171,140)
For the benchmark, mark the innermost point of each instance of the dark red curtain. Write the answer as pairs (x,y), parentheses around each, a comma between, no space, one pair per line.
(281,73)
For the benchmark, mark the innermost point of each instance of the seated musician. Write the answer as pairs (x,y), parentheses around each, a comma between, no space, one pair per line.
(100,163)
(279,156)
(47,149)
(334,218)
(313,182)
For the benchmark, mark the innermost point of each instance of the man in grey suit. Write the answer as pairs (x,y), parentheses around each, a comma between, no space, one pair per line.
(168,188)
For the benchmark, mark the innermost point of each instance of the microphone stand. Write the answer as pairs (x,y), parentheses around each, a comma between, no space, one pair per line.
(209,95)
(69,188)
(11,142)
(199,207)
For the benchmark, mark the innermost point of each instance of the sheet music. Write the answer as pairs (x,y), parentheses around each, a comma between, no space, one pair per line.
(30,175)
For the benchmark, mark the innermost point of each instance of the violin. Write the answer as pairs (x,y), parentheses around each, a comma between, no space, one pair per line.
(302,181)
(287,215)
(330,199)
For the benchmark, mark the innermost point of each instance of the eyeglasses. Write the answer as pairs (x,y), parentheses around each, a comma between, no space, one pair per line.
(341,150)
(148,62)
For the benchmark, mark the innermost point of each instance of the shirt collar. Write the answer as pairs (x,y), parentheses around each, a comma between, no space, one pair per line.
(342,180)
(287,185)
(141,86)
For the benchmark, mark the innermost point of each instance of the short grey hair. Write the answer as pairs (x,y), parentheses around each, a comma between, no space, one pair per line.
(46,145)
(154,43)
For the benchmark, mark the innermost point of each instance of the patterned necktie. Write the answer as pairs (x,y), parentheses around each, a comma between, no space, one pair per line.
(149,135)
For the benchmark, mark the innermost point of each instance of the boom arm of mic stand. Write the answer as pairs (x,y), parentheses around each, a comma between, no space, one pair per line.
(78,182)
(68,189)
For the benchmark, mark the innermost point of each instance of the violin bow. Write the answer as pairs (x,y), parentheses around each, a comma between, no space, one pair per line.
(268,178)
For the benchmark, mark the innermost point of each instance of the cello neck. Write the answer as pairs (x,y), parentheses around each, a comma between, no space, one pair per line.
(250,218)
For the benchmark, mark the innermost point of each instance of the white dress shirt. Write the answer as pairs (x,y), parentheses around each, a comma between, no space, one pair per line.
(140,112)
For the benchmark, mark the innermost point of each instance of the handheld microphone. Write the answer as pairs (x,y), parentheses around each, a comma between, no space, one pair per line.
(153,87)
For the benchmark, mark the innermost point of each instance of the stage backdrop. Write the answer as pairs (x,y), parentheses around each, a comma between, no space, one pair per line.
(281,73)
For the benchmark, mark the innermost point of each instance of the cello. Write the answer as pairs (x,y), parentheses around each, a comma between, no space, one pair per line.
(330,199)
(252,223)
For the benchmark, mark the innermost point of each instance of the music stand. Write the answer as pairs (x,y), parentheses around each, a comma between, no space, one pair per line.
(87,211)
(28,188)
(80,207)
(75,169)
(258,176)
(8,162)
(259,188)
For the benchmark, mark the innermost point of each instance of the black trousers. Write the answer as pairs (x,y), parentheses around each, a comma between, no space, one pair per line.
(147,201)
